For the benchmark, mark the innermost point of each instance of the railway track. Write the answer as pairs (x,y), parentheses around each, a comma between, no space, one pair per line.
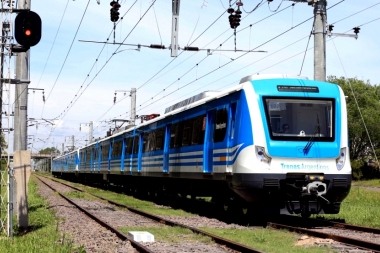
(236,247)
(365,238)
(313,228)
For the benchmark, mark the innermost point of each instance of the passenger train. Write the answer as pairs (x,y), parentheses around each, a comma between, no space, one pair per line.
(274,143)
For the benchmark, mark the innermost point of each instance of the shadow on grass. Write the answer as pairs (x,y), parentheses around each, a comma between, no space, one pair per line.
(34,208)
(24,231)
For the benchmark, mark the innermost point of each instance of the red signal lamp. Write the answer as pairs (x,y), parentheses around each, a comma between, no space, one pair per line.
(28,32)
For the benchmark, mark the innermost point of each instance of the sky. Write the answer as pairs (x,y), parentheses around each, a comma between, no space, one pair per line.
(79,79)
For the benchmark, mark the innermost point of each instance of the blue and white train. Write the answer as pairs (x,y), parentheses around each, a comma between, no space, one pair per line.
(273,143)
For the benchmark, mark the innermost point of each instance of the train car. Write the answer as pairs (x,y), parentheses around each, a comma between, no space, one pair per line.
(271,143)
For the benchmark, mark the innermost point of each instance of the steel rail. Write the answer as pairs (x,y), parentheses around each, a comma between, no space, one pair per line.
(346,240)
(230,244)
(121,235)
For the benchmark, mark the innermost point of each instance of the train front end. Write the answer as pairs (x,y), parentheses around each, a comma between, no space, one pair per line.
(298,162)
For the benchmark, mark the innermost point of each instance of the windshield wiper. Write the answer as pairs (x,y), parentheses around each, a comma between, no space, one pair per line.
(310,143)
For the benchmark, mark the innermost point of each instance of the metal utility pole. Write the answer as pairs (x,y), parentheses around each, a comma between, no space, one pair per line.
(319,31)
(133,107)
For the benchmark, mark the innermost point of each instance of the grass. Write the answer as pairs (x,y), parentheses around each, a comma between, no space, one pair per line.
(172,235)
(43,234)
(361,207)
(267,240)
(367,183)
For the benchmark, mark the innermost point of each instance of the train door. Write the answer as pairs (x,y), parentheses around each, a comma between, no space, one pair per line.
(208,142)
(165,167)
(140,149)
(230,137)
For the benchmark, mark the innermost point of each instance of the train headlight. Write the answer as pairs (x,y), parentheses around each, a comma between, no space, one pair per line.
(262,156)
(341,159)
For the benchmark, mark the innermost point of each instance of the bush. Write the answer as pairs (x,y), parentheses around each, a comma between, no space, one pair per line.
(357,167)
(371,170)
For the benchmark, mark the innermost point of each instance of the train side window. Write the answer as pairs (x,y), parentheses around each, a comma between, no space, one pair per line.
(220,125)
(88,156)
(186,133)
(105,151)
(176,134)
(198,133)
(116,148)
(160,139)
(128,149)
(136,145)
(148,141)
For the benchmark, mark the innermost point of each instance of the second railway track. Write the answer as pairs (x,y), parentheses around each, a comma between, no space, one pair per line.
(223,245)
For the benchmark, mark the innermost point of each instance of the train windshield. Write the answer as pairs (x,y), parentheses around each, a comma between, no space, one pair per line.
(300,119)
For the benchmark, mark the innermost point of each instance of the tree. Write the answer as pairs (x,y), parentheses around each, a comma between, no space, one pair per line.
(368,101)
(3,145)
(48,151)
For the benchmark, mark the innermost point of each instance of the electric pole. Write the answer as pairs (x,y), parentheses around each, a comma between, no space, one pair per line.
(320,40)
(319,31)
(21,93)
(133,107)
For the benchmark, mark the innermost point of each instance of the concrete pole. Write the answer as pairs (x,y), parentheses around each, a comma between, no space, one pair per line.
(133,107)
(21,94)
(72,142)
(21,155)
(320,40)
(91,126)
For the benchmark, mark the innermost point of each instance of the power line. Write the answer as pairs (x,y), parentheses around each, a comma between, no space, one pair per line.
(67,55)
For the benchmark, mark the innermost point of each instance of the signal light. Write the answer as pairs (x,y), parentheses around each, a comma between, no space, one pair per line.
(28,28)
(115,11)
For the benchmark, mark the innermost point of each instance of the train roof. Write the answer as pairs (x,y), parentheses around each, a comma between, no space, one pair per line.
(191,100)
(271,76)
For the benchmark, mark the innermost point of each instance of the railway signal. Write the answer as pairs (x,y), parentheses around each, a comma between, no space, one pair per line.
(28,28)
(115,11)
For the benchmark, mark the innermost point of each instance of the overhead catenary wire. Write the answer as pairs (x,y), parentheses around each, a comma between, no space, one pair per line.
(53,128)
(270,55)
(67,55)
(249,26)
(357,104)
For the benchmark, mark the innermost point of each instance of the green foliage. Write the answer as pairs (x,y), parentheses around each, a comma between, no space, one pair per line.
(363,137)
(48,151)
(357,167)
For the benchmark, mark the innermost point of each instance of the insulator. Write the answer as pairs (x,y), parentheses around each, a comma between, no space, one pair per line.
(191,49)
(112,3)
(238,12)
(230,10)
(331,27)
(356,30)
(157,46)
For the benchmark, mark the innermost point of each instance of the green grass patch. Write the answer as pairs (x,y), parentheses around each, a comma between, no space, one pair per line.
(142,205)
(75,194)
(367,183)
(172,235)
(267,240)
(361,207)
(43,235)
